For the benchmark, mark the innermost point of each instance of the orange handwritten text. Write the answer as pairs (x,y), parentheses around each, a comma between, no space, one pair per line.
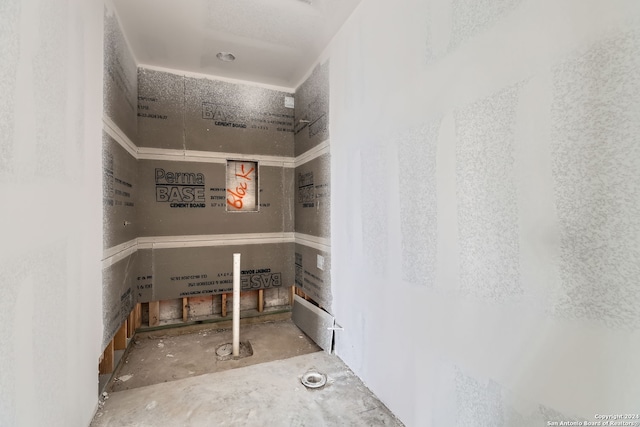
(235,200)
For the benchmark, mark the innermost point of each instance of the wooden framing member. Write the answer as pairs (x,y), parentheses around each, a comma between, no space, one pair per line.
(154,313)
(131,323)
(138,315)
(185,309)
(223,302)
(292,292)
(106,364)
(120,340)
(260,300)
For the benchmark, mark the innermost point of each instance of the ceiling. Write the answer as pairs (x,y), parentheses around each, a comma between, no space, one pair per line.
(276,42)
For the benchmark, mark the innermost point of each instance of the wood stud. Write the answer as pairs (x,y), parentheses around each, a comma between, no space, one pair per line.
(260,300)
(120,340)
(154,313)
(185,309)
(106,365)
(223,302)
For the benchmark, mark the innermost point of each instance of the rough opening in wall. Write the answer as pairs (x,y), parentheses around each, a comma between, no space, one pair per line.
(242,186)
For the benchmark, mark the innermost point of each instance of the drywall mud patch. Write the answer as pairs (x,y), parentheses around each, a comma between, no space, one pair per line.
(375,228)
(22,289)
(235,118)
(472,17)
(486,197)
(312,110)
(486,403)
(418,203)
(596,168)
(120,78)
(10,42)
(479,404)
(50,90)
(160,109)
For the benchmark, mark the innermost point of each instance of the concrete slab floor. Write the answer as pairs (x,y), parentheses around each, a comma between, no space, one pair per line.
(266,394)
(173,378)
(167,355)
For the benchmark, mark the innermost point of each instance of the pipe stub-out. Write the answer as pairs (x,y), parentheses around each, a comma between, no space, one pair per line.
(314,379)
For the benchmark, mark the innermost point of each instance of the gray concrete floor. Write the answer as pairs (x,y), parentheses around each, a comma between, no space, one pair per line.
(170,380)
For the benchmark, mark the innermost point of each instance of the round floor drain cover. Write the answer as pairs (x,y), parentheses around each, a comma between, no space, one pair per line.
(314,379)
(224,350)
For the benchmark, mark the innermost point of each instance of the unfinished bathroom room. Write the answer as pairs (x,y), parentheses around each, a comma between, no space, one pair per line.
(320,213)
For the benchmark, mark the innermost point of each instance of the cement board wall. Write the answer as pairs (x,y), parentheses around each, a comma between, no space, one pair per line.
(202,114)
(190,198)
(119,182)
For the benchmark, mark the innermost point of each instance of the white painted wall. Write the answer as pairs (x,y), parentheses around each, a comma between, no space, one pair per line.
(51,215)
(490,149)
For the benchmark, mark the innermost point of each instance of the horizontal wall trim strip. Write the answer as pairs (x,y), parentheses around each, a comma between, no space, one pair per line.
(115,250)
(151,153)
(184,73)
(315,152)
(121,251)
(117,134)
(215,240)
(130,249)
(147,153)
(319,243)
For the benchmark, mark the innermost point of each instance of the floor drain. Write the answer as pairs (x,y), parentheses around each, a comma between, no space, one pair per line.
(224,350)
(314,379)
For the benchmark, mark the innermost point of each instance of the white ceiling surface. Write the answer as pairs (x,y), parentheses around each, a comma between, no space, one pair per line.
(276,42)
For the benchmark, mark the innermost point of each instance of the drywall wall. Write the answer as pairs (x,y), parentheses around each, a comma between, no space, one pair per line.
(485,208)
(50,184)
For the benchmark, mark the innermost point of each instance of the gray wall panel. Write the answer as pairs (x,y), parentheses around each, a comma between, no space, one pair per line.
(160,109)
(233,118)
(314,281)
(312,110)
(312,197)
(142,285)
(119,193)
(179,213)
(117,295)
(198,271)
(120,79)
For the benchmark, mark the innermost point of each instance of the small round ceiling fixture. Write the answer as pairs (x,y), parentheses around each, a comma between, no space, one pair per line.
(226,56)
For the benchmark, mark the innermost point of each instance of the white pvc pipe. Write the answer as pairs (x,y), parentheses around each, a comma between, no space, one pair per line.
(236,305)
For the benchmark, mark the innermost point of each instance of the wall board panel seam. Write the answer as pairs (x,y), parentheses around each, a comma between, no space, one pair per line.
(115,250)
(313,153)
(119,136)
(319,243)
(191,74)
(116,253)
(147,153)
(217,240)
